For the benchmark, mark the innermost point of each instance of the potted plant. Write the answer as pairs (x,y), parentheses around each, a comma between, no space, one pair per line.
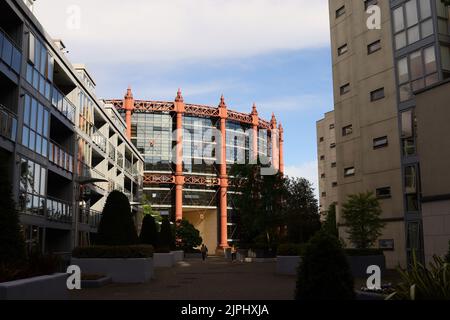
(289,256)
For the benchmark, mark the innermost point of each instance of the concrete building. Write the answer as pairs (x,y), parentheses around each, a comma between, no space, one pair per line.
(188,151)
(375,72)
(326,156)
(60,141)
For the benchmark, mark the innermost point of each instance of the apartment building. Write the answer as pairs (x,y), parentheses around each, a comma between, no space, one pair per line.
(65,148)
(375,75)
(326,155)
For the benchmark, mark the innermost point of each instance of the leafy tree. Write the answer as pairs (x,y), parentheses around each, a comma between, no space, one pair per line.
(165,237)
(12,243)
(187,236)
(324,273)
(149,231)
(330,224)
(117,227)
(361,214)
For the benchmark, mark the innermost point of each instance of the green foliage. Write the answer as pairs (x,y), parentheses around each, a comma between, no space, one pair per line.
(324,273)
(330,224)
(12,248)
(149,231)
(114,252)
(187,236)
(422,283)
(165,237)
(291,249)
(363,252)
(117,227)
(361,214)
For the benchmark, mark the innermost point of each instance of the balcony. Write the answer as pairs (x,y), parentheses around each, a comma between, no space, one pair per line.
(63,105)
(59,211)
(120,160)
(8,124)
(9,53)
(99,139)
(128,166)
(60,158)
(90,217)
(112,152)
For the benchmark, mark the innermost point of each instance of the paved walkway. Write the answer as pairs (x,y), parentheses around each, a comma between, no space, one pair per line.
(215,279)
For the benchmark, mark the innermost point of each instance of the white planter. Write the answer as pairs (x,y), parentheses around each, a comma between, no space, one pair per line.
(288,265)
(164,260)
(52,287)
(120,270)
(178,255)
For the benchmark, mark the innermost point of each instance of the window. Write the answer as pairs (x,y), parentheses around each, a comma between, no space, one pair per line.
(377,94)
(333,145)
(340,11)
(368,3)
(408,136)
(40,66)
(380,142)
(373,47)
(343,49)
(35,132)
(349,172)
(333,164)
(334,184)
(383,193)
(324,194)
(323,176)
(321,139)
(345,89)
(411,189)
(332,126)
(32,184)
(322,157)
(348,130)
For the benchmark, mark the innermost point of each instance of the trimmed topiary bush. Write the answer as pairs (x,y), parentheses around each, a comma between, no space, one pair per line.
(149,232)
(165,237)
(324,273)
(187,236)
(116,227)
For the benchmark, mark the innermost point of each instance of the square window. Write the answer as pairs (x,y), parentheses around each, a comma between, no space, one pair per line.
(349,172)
(345,89)
(380,142)
(377,94)
(342,50)
(348,130)
(340,11)
(383,193)
(373,47)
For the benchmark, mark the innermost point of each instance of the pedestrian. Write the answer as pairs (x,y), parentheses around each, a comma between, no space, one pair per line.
(233,253)
(204,251)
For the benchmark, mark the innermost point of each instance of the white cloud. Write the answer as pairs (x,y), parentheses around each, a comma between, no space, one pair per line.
(307,170)
(175,30)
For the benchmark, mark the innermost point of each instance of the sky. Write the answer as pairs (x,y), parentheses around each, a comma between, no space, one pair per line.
(275,53)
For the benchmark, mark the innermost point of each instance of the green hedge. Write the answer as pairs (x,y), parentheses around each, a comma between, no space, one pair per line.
(114,252)
(363,252)
(291,249)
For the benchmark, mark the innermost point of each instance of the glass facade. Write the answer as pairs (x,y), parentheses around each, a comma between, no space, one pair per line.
(238,143)
(35,132)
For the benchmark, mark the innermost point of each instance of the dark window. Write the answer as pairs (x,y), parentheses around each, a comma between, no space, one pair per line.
(333,165)
(340,11)
(332,126)
(343,49)
(345,89)
(321,139)
(368,3)
(334,184)
(323,176)
(348,172)
(380,142)
(373,47)
(348,130)
(383,193)
(377,94)
(324,194)
(333,145)
(322,157)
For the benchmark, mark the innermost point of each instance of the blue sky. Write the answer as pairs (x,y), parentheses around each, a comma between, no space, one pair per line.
(272,52)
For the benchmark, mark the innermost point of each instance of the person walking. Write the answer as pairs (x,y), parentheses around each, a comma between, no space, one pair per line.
(233,253)
(204,251)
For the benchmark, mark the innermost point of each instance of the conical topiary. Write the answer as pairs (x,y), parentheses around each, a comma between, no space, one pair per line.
(149,232)
(117,227)
(165,237)
(12,243)
(324,273)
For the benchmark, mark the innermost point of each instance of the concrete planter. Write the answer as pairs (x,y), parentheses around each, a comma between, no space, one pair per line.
(164,260)
(288,265)
(260,254)
(96,283)
(359,264)
(193,255)
(52,287)
(178,255)
(120,270)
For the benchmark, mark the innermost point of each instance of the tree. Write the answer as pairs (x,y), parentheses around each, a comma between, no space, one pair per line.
(12,243)
(165,237)
(324,273)
(330,224)
(117,227)
(149,232)
(187,236)
(361,214)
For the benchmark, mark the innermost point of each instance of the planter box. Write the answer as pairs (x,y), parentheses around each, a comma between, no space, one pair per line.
(260,254)
(260,260)
(85,284)
(178,256)
(163,260)
(369,296)
(120,270)
(193,255)
(288,265)
(359,264)
(53,287)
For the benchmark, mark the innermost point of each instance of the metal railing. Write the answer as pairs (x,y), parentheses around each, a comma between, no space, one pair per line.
(99,139)
(10,54)
(59,210)
(60,157)
(63,105)
(90,217)
(8,123)
(111,151)
(128,166)
(120,160)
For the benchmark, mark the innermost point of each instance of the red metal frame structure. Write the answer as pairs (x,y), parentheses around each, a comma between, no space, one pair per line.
(179,108)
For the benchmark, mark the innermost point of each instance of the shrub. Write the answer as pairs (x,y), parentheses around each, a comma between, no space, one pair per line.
(330,224)
(291,249)
(363,252)
(116,227)
(187,236)
(114,252)
(149,232)
(165,237)
(324,273)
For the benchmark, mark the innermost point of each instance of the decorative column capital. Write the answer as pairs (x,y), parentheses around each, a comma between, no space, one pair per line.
(223,109)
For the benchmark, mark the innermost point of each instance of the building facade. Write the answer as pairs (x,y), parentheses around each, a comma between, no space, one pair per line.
(375,73)
(64,148)
(189,150)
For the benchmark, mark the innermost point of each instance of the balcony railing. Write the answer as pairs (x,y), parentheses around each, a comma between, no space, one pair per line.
(90,217)
(112,152)
(59,210)
(60,157)
(128,166)
(8,123)
(99,139)
(120,159)
(63,105)
(10,54)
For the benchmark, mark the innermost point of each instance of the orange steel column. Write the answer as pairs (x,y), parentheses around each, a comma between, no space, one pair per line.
(223,113)
(129,108)
(275,142)
(255,124)
(281,132)
(179,177)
